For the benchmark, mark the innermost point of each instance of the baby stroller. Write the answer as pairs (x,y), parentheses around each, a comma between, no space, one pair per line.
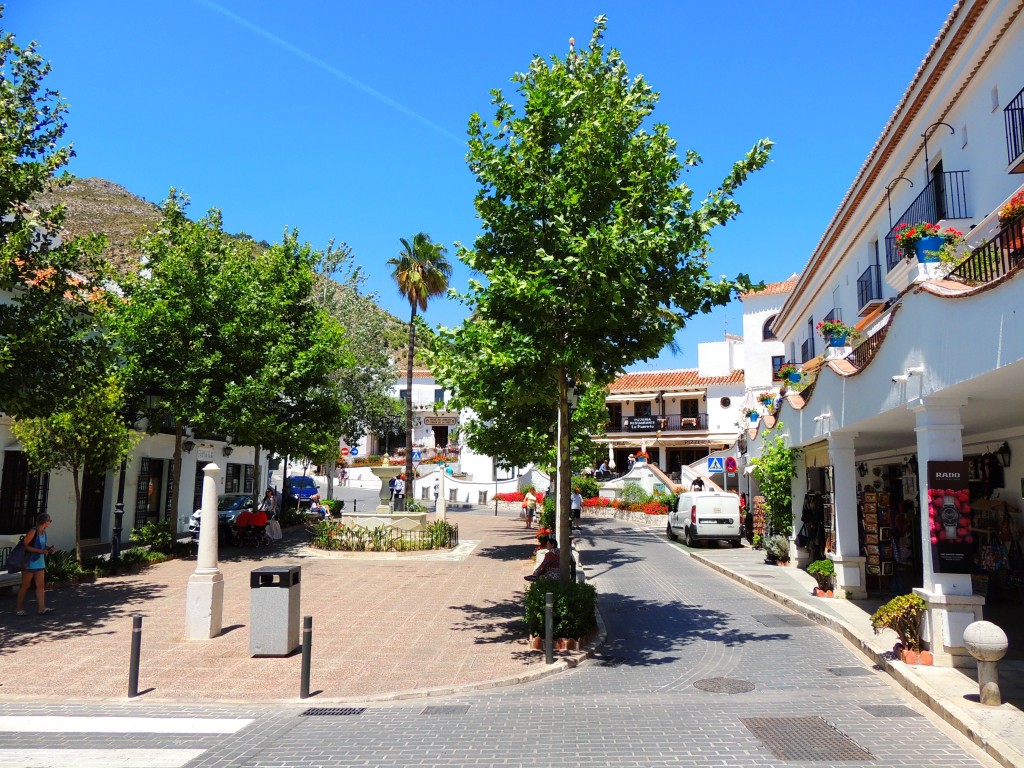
(251,529)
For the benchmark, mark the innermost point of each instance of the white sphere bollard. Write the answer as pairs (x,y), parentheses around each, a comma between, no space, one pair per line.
(987,643)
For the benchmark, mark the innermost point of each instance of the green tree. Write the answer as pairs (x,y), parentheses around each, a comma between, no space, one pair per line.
(49,347)
(86,432)
(421,272)
(592,251)
(774,471)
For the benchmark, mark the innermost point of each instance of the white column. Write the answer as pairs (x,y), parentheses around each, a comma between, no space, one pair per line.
(951,604)
(204,597)
(849,563)
(441,508)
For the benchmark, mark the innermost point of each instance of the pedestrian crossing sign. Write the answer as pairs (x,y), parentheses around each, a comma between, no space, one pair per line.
(716,464)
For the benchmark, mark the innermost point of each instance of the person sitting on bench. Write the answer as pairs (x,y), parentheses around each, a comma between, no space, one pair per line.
(548,568)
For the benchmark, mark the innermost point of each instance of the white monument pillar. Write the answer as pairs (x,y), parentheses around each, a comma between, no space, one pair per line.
(952,605)
(441,509)
(204,597)
(849,563)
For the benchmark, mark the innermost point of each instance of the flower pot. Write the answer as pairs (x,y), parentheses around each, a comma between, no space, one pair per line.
(837,340)
(753,418)
(828,593)
(640,461)
(926,244)
(819,592)
(794,378)
(925,658)
(908,657)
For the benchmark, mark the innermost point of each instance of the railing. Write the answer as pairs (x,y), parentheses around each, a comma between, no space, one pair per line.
(807,350)
(866,350)
(869,286)
(994,258)
(670,423)
(945,197)
(1014,117)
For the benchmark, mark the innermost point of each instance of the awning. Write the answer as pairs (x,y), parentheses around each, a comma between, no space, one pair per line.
(621,397)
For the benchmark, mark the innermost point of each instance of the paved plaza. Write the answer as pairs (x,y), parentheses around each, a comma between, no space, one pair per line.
(695,669)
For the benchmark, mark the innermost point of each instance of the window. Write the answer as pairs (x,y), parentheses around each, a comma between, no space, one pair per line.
(22,494)
(642,409)
(725,402)
(777,362)
(688,408)
(767,333)
(614,417)
(438,395)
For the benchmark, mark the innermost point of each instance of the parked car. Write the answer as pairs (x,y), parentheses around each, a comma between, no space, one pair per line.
(229,507)
(299,490)
(706,516)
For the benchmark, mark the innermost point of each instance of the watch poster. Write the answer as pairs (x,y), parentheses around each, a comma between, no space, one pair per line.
(949,517)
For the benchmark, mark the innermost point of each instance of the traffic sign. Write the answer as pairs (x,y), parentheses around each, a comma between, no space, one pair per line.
(344,451)
(730,463)
(355,451)
(416,456)
(715,464)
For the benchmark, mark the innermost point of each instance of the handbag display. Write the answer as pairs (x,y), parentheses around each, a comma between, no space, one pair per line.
(801,537)
(17,558)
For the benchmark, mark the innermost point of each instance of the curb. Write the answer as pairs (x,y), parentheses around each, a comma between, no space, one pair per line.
(994,746)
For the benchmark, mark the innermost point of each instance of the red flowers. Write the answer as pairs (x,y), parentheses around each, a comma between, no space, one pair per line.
(907,235)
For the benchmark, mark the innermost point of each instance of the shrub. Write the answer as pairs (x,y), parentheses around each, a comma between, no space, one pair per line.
(588,486)
(291,517)
(134,556)
(547,514)
(596,501)
(633,494)
(335,505)
(778,547)
(822,571)
(441,534)
(63,566)
(516,496)
(574,610)
(903,616)
(157,536)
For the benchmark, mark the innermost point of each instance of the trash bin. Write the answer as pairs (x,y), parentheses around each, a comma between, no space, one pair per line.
(274,610)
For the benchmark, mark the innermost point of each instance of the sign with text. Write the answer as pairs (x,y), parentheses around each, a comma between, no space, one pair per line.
(643,424)
(440,421)
(949,517)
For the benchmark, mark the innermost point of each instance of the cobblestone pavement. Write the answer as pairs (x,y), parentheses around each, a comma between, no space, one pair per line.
(696,671)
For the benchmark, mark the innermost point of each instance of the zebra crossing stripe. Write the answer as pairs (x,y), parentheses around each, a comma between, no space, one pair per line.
(97,758)
(60,724)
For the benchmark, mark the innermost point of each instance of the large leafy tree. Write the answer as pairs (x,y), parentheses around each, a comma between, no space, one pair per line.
(49,348)
(421,272)
(593,250)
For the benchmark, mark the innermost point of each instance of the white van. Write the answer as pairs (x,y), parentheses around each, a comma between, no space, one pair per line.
(706,516)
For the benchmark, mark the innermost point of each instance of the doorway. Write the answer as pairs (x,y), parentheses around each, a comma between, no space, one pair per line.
(94,485)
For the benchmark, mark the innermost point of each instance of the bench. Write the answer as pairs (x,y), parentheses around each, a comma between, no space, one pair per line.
(7,579)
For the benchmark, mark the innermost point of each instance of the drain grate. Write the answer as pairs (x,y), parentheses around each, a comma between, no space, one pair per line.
(446,709)
(849,671)
(724,685)
(804,738)
(784,620)
(332,711)
(889,710)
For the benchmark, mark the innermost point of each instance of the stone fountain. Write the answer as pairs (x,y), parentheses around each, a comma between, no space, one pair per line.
(383,514)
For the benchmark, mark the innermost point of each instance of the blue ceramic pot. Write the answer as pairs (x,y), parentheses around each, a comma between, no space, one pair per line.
(926,244)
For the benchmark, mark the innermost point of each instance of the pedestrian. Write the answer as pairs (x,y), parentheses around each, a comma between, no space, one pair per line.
(391,488)
(630,461)
(35,566)
(268,505)
(531,506)
(437,490)
(602,472)
(548,567)
(748,518)
(400,494)
(576,507)
(697,485)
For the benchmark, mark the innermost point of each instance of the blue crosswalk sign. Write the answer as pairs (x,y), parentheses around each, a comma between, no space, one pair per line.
(416,455)
(716,464)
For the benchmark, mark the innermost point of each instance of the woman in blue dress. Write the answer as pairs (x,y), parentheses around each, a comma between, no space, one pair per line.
(35,567)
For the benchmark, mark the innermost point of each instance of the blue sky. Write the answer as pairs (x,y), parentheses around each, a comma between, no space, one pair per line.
(348,120)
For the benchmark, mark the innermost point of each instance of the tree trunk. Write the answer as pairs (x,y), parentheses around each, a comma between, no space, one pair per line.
(78,513)
(179,431)
(257,484)
(564,480)
(410,491)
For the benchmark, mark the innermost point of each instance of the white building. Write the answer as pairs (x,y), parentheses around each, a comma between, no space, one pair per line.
(939,372)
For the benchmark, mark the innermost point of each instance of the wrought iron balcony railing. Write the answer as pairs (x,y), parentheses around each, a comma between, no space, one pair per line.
(945,197)
(1014,117)
(994,258)
(807,350)
(670,423)
(869,287)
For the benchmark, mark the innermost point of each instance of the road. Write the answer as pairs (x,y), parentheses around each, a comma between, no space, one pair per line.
(696,671)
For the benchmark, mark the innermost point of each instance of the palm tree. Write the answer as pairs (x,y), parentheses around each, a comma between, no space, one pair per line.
(421,272)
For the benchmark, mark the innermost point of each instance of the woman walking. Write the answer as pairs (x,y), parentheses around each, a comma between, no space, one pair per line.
(35,566)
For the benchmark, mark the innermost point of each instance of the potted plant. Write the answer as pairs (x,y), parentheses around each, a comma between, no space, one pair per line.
(791,373)
(837,332)
(752,414)
(923,240)
(777,548)
(903,616)
(767,399)
(823,572)
(1014,209)
(642,457)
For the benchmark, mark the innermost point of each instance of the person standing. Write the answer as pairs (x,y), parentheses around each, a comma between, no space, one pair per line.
(531,506)
(576,507)
(35,566)
(400,494)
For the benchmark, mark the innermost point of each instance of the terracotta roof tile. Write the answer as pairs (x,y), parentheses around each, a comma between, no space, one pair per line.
(773,289)
(680,378)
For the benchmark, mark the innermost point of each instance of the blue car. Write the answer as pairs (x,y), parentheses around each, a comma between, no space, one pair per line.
(299,491)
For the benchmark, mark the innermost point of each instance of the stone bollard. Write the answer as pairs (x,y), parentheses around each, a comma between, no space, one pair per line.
(988,644)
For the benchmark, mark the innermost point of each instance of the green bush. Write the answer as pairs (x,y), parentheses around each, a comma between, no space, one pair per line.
(574,610)
(778,547)
(903,616)
(633,493)
(547,513)
(441,534)
(291,517)
(823,571)
(335,505)
(63,566)
(589,487)
(159,537)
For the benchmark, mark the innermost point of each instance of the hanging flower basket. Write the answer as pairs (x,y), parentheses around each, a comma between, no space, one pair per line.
(837,333)
(924,240)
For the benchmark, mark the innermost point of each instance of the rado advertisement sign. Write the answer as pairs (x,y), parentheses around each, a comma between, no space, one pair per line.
(949,517)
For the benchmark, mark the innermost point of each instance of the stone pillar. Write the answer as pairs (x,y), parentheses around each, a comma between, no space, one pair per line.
(849,563)
(441,507)
(204,597)
(951,604)
(799,485)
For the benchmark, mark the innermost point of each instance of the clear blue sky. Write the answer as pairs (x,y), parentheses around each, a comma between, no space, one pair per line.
(347,120)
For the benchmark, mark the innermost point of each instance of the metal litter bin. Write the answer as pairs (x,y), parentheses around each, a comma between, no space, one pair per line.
(274,610)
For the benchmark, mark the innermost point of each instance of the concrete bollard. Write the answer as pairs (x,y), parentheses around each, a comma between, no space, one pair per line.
(549,628)
(987,643)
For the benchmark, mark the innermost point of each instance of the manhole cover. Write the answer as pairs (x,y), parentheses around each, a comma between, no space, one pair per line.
(724,685)
(446,709)
(849,671)
(804,738)
(784,620)
(332,711)
(889,710)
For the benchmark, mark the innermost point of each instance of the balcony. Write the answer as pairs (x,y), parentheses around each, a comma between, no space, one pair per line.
(807,350)
(671,423)
(1014,117)
(994,258)
(945,197)
(869,290)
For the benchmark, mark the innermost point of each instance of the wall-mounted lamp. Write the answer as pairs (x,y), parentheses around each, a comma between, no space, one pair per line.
(1003,454)
(862,469)
(823,416)
(188,445)
(227,450)
(917,370)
